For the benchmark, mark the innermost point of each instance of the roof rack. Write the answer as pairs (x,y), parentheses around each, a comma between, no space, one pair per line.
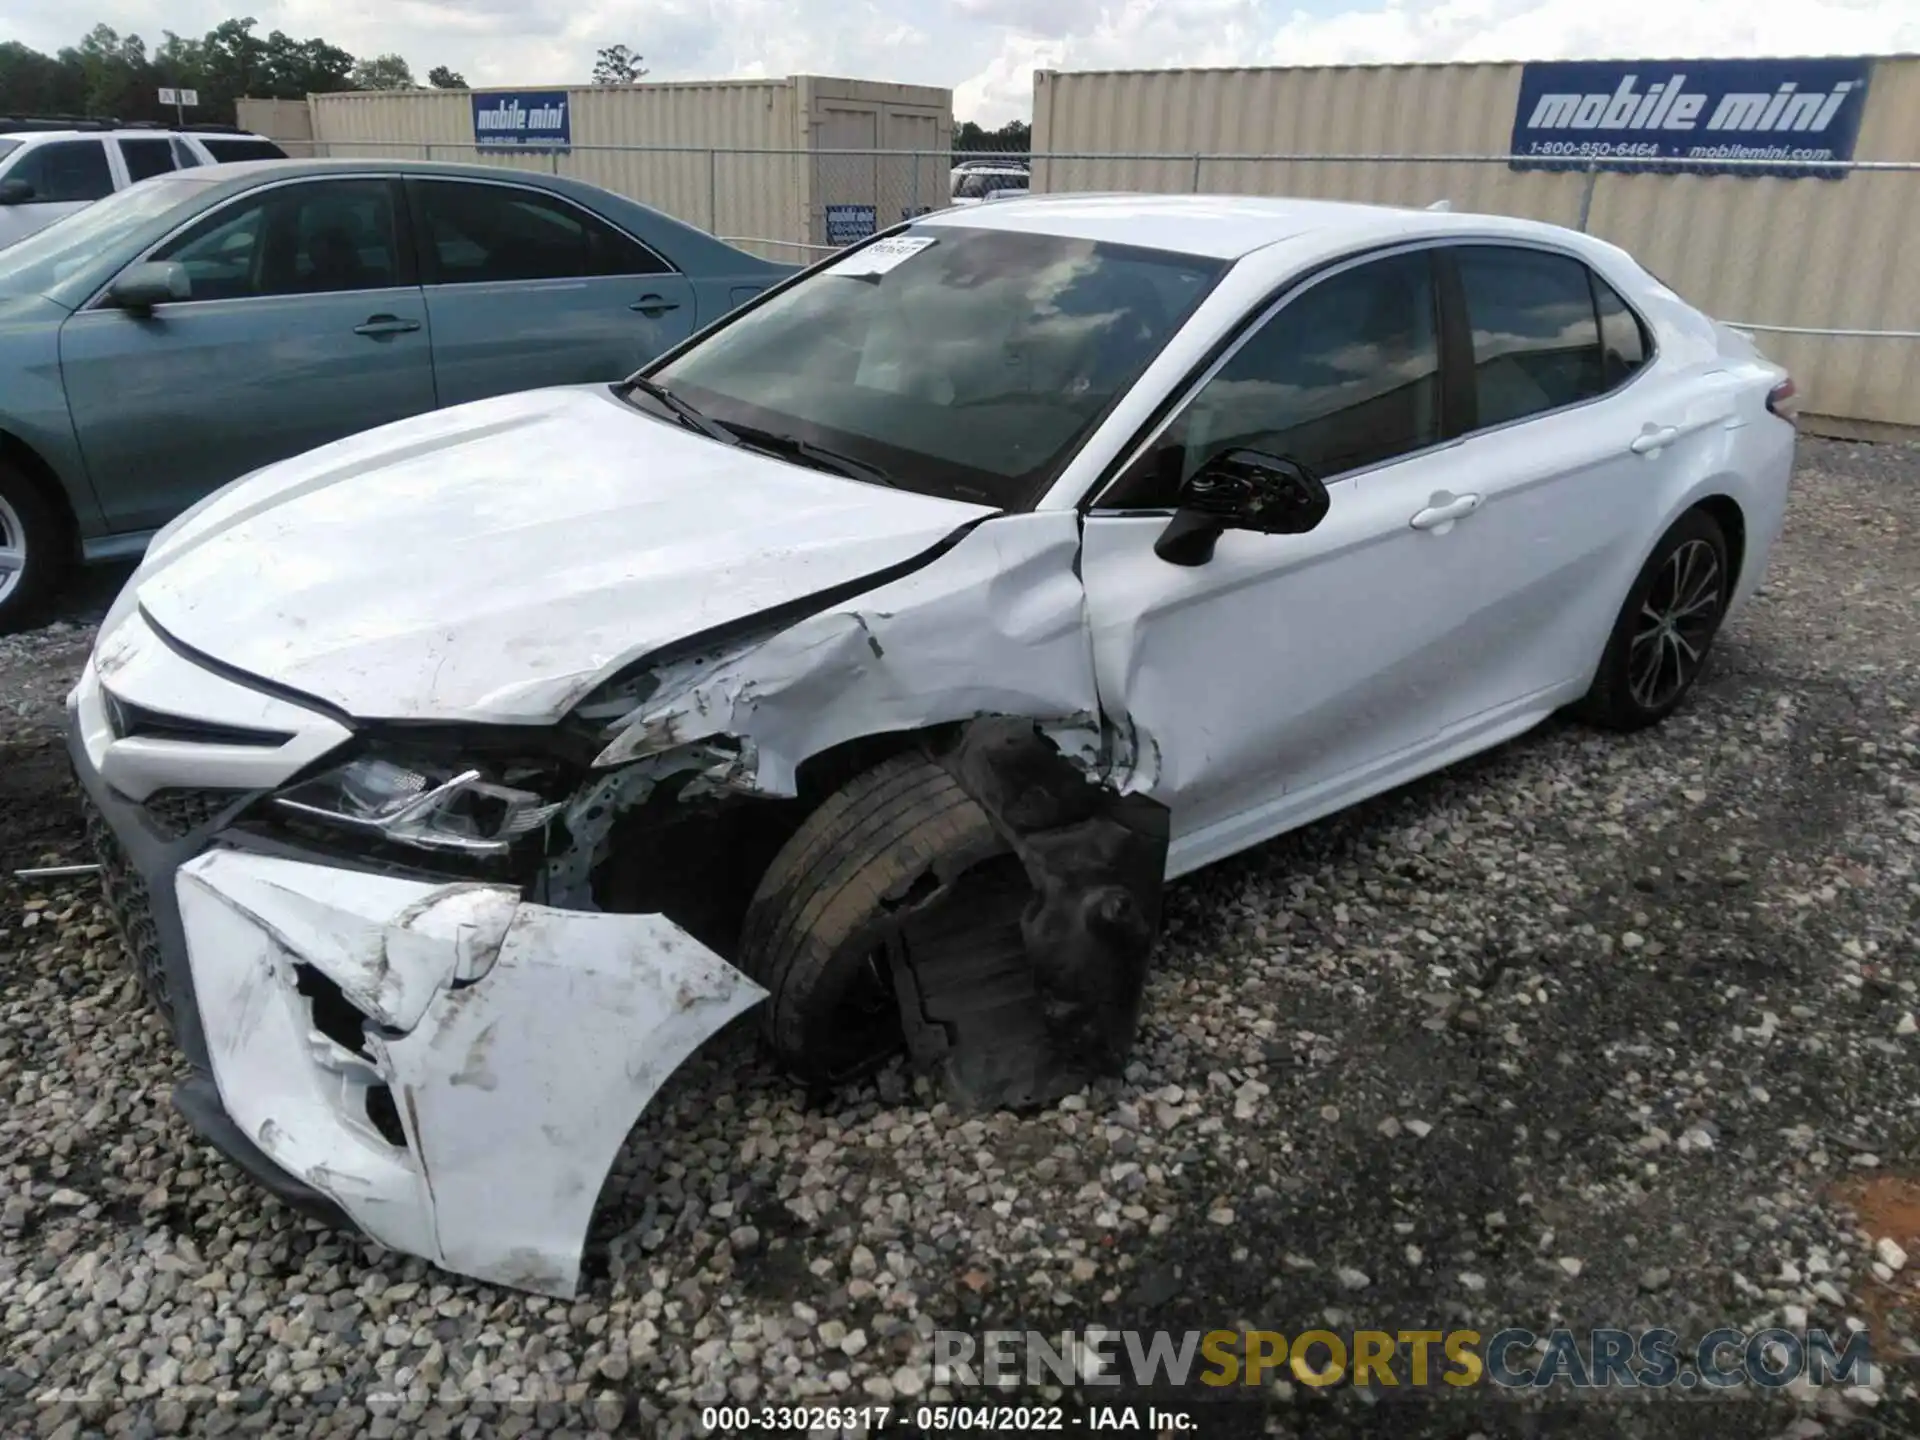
(198,127)
(55,122)
(99,122)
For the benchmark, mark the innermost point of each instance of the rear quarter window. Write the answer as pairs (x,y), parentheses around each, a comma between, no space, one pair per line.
(226,151)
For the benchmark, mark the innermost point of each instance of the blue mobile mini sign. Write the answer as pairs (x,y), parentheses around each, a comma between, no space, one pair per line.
(539,121)
(1796,112)
(849,223)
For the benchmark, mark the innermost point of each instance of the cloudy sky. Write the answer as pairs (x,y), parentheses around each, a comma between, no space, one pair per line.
(987,50)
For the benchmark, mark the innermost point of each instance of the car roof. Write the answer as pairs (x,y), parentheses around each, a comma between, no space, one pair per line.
(365,165)
(1223,227)
(133,132)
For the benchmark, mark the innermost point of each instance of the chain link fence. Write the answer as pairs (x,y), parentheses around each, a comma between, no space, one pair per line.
(1813,266)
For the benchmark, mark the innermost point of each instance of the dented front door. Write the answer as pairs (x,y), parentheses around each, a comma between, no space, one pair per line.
(1284,663)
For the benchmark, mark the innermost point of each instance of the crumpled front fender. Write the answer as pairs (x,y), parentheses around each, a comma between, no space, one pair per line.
(518,1045)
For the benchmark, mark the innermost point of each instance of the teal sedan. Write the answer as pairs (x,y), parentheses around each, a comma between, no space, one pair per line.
(201,324)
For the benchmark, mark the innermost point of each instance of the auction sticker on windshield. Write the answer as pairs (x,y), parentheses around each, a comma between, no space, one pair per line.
(881,256)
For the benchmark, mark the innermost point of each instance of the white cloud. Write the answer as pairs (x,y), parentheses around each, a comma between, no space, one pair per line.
(987,50)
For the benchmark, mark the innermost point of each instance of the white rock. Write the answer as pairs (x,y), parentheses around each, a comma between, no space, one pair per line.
(1472,1281)
(1351,1278)
(1571,1265)
(1890,1253)
(1419,1129)
(1908,1025)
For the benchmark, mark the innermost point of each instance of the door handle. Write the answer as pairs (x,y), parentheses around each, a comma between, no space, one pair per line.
(1654,437)
(385,325)
(1443,509)
(651,305)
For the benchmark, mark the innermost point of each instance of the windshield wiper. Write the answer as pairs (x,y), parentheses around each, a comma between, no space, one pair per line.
(685,412)
(819,456)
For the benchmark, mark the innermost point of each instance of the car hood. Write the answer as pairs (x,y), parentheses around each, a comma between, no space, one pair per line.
(29,309)
(493,561)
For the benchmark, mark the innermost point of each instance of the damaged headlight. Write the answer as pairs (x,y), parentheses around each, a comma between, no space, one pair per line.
(432,807)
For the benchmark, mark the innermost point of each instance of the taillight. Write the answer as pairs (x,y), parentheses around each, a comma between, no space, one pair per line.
(1784,401)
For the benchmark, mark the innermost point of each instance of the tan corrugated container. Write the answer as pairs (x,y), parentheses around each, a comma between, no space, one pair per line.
(1808,253)
(740,158)
(290,122)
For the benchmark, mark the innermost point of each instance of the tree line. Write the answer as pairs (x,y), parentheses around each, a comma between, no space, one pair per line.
(1013,139)
(110,75)
(113,75)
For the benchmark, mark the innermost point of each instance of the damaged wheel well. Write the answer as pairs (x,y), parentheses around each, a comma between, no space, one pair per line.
(696,858)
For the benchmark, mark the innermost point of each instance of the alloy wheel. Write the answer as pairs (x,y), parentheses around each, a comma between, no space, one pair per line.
(1677,621)
(13,549)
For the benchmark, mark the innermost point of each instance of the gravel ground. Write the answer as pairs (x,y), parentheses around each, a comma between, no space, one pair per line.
(1590,1030)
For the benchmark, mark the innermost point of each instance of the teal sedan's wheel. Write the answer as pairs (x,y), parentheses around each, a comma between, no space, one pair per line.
(32,549)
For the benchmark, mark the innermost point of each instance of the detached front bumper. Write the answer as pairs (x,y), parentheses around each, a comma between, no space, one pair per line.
(505,1049)
(446,1066)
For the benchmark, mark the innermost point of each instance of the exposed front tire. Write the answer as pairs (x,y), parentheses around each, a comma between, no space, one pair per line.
(1668,623)
(817,932)
(33,549)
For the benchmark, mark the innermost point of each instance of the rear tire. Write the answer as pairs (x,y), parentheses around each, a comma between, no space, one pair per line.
(1665,629)
(33,549)
(815,933)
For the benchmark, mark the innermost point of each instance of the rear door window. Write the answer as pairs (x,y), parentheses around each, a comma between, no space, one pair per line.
(1623,340)
(1536,331)
(225,151)
(64,172)
(480,234)
(146,158)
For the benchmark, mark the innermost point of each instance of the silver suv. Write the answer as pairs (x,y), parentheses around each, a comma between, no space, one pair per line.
(46,173)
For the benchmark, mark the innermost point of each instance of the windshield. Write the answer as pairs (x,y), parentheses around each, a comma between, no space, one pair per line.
(968,363)
(37,264)
(7,147)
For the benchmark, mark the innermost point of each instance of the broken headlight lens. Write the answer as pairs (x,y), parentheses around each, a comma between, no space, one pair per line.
(437,808)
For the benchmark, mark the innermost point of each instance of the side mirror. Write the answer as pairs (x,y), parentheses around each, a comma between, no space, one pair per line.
(1241,490)
(141,287)
(15,192)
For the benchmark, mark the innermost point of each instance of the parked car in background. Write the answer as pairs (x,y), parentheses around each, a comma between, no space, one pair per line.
(973,183)
(872,658)
(204,323)
(52,168)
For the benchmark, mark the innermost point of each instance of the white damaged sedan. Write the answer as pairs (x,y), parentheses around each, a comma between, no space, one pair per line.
(873,659)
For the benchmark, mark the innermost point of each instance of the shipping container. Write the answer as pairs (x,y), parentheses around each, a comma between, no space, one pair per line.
(290,122)
(1800,253)
(749,160)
